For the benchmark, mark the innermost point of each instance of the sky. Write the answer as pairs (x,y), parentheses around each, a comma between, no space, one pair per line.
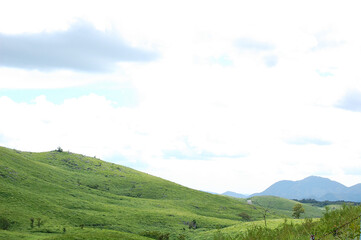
(214,95)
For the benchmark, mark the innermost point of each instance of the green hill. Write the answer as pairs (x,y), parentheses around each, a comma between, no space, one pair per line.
(62,195)
(283,207)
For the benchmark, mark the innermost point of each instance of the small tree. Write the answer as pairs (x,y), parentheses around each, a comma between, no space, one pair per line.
(32,222)
(59,149)
(39,222)
(265,212)
(297,210)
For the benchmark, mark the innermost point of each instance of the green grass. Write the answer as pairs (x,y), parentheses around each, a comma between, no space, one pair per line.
(343,223)
(284,207)
(75,234)
(233,231)
(71,191)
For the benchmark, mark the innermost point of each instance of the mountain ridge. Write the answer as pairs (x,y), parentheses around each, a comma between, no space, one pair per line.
(234,194)
(313,187)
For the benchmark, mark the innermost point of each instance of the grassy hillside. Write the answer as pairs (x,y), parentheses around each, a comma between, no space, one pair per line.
(71,196)
(284,206)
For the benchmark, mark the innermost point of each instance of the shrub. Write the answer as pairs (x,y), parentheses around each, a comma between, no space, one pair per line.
(244,216)
(4,223)
(155,235)
(181,237)
(192,224)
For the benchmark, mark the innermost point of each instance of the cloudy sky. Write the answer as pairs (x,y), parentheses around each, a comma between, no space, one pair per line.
(214,95)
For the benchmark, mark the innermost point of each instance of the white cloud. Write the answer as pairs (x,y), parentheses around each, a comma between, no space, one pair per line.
(80,48)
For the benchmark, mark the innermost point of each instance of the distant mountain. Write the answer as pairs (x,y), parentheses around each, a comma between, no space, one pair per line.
(233,194)
(318,188)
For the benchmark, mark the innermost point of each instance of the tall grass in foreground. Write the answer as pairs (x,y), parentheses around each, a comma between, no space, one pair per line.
(339,224)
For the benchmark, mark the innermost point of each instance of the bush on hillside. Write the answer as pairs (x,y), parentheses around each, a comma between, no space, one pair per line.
(244,216)
(4,223)
(192,224)
(155,235)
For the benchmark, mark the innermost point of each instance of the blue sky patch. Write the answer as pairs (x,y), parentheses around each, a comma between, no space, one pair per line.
(353,171)
(224,61)
(324,74)
(253,45)
(123,160)
(271,60)
(193,155)
(307,141)
(351,101)
(123,96)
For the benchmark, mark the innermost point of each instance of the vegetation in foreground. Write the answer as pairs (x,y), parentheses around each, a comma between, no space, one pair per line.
(343,223)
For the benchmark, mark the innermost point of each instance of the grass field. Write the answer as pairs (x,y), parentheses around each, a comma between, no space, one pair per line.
(234,230)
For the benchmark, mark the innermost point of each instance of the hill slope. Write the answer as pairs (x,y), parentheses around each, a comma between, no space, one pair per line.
(313,187)
(71,196)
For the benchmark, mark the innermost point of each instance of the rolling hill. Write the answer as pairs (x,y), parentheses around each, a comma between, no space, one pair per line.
(62,195)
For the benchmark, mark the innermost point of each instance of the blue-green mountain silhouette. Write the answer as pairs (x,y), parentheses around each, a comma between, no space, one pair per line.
(313,187)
